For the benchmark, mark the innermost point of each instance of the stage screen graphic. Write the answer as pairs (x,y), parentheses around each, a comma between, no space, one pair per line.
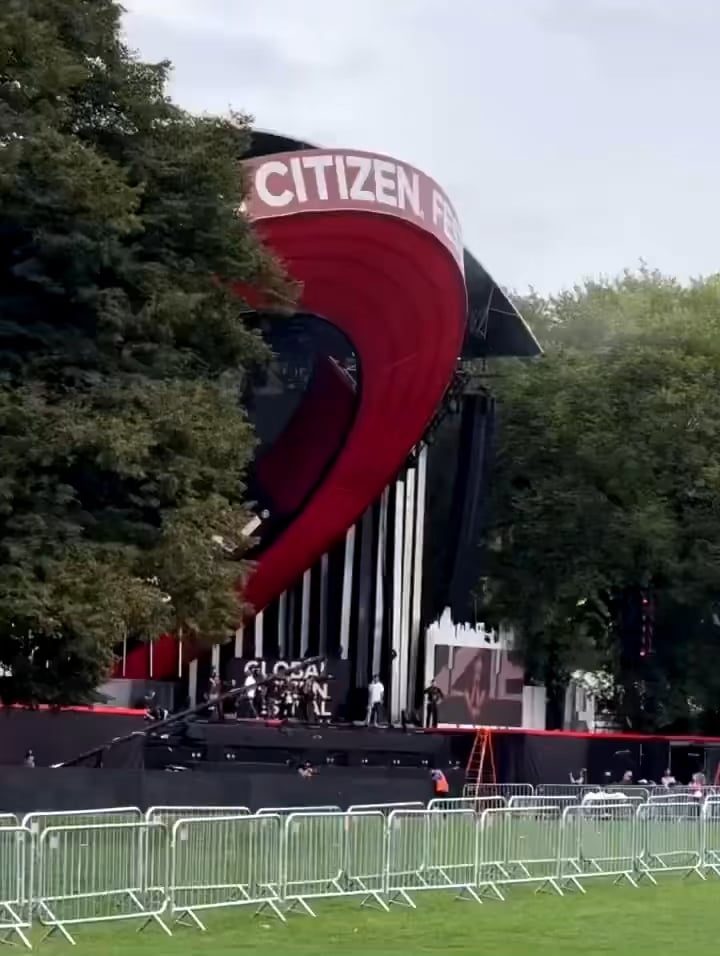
(481,686)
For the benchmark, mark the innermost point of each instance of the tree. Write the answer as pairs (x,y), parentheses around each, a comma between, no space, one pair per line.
(124,353)
(607,481)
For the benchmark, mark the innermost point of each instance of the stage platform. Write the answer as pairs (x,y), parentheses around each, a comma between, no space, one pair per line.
(111,739)
(236,742)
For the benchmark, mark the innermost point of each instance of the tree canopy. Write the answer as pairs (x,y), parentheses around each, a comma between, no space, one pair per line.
(123,352)
(607,479)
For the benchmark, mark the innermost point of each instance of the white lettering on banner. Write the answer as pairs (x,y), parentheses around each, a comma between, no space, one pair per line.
(409,191)
(445,218)
(341,178)
(319,164)
(299,671)
(363,167)
(356,177)
(313,180)
(263,174)
(385,181)
(298,179)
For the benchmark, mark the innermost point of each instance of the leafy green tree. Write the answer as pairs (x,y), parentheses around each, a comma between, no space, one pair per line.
(124,352)
(607,478)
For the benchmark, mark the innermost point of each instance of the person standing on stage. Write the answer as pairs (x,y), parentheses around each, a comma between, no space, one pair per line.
(214,694)
(433,695)
(250,685)
(376,697)
(307,700)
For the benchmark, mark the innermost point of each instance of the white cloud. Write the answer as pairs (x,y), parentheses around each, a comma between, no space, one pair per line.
(575,136)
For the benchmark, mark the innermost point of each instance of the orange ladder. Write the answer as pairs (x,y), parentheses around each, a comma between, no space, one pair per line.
(481,765)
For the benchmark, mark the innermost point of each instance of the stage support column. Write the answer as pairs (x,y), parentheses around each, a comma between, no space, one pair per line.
(282,624)
(407,575)
(322,636)
(259,635)
(416,649)
(239,641)
(193,682)
(365,583)
(290,624)
(215,657)
(305,613)
(397,583)
(347,594)
(380,559)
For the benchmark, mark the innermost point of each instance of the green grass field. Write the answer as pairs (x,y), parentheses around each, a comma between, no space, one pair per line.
(682,916)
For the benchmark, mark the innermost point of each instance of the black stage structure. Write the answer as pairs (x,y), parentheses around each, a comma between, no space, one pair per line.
(255,764)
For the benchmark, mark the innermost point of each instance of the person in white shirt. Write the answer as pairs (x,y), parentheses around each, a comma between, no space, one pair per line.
(250,688)
(376,697)
(668,779)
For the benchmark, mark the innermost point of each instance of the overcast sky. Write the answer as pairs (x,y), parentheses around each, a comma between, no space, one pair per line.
(575,137)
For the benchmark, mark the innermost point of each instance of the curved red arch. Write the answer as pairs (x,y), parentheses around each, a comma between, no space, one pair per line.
(289,471)
(399,297)
(398,294)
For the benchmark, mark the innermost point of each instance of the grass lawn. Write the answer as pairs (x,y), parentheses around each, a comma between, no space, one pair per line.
(676,915)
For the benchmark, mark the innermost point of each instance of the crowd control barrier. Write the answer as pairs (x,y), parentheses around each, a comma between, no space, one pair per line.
(519,844)
(333,855)
(386,807)
(219,862)
(597,840)
(430,850)
(169,866)
(16,881)
(504,790)
(93,873)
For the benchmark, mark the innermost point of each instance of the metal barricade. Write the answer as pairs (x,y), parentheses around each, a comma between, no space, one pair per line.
(9,820)
(430,850)
(286,811)
(505,790)
(333,855)
(597,840)
(679,792)
(549,800)
(575,790)
(678,795)
(16,882)
(365,842)
(670,839)
(476,804)
(632,791)
(601,798)
(169,815)
(99,873)
(38,821)
(711,835)
(386,808)
(519,844)
(224,861)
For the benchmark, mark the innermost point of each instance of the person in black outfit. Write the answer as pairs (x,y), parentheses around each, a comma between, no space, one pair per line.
(282,691)
(214,694)
(433,695)
(307,700)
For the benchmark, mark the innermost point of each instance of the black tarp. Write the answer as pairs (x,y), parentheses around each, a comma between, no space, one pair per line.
(78,788)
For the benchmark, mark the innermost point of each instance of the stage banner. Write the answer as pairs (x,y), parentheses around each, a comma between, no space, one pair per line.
(332,679)
(313,180)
